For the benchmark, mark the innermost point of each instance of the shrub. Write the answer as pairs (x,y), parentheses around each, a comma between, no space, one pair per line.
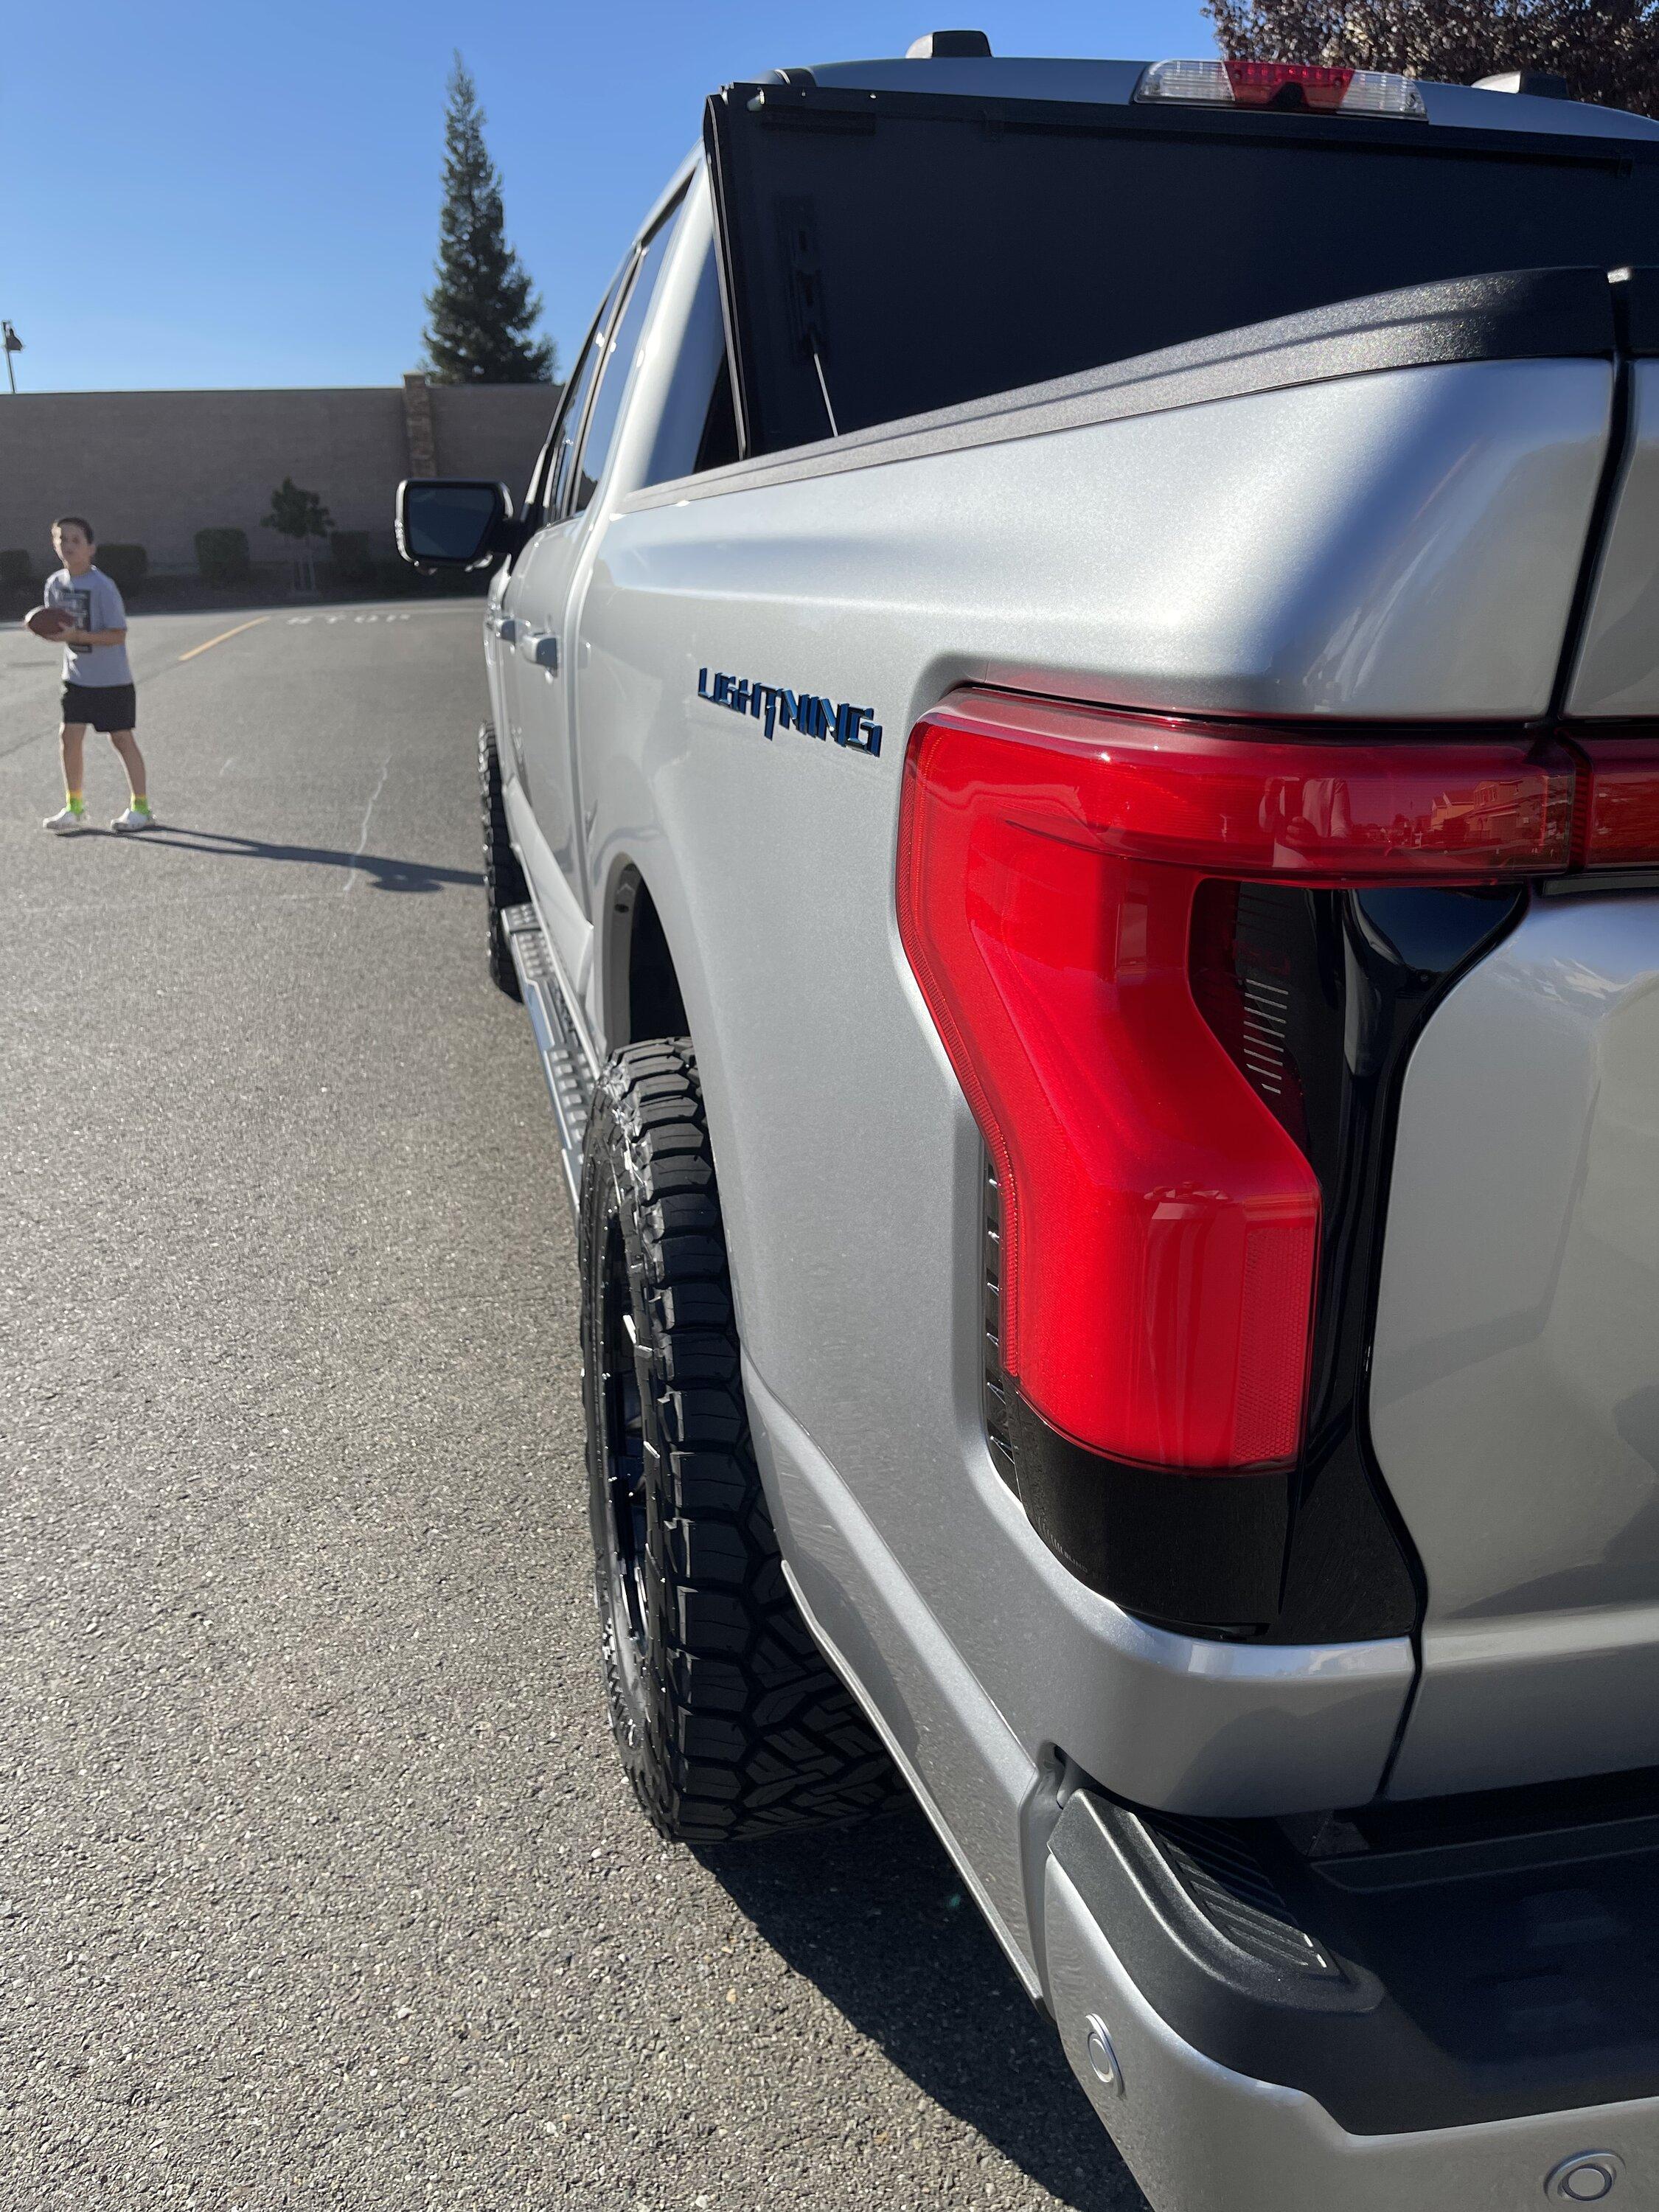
(127,566)
(222,556)
(16,567)
(353,556)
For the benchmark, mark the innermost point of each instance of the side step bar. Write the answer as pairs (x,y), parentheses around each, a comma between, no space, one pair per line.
(566,1068)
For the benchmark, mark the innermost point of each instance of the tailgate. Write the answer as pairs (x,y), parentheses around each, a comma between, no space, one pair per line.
(1618,667)
(1515,1393)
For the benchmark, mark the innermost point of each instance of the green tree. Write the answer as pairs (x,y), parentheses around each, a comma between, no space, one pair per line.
(296,514)
(1606,49)
(482,309)
(301,516)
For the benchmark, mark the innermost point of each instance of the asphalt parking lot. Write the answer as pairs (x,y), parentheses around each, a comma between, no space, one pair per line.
(319,1884)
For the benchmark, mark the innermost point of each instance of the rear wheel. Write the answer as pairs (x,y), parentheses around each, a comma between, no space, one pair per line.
(729,1722)
(504,883)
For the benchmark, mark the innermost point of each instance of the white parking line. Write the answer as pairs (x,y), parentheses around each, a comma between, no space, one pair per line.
(340,618)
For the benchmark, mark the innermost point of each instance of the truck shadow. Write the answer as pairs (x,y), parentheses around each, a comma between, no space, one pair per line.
(877,1917)
(383,873)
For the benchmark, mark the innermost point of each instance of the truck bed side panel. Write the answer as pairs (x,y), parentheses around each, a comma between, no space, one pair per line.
(1401,544)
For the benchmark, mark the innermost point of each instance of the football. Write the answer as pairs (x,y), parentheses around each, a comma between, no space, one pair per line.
(48,621)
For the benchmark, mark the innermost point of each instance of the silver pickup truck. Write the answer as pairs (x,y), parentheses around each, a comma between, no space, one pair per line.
(1073,797)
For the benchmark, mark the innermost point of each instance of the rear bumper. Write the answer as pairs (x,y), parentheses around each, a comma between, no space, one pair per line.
(1201,2137)
(1448,2017)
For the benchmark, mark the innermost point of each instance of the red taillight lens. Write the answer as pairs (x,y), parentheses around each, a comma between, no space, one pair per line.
(1160,1224)
(1259,85)
(1618,810)
(1214,82)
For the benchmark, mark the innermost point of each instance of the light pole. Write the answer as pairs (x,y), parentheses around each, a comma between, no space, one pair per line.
(12,343)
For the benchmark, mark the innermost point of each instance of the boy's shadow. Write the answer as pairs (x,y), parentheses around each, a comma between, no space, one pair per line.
(876,1915)
(383,873)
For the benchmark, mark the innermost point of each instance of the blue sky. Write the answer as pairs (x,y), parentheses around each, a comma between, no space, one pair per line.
(205,195)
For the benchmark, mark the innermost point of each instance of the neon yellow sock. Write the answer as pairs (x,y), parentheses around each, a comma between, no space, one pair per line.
(76,804)
(139,803)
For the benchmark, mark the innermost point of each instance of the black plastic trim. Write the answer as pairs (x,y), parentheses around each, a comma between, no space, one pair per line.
(1405,1988)
(1636,301)
(714,154)
(1203,1554)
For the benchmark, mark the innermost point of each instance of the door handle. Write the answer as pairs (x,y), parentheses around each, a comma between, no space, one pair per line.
(539,647)
(502,627)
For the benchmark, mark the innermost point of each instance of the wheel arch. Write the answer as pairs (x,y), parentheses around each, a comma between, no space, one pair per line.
(641,993)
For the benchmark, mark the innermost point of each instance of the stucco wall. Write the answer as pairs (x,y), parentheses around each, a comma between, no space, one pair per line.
(152,468)
(495,431)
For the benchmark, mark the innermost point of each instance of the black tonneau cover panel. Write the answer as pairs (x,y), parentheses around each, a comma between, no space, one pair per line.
(889,254)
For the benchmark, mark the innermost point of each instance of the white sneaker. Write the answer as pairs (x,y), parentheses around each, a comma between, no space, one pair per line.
(68,818)
(135,817)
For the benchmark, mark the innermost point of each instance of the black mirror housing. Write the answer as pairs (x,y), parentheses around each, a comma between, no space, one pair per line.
(453,522)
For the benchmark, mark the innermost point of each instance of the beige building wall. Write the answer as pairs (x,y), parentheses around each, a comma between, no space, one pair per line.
(499,438)
(152,468)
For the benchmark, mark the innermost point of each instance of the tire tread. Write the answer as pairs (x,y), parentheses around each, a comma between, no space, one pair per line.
(745,1730)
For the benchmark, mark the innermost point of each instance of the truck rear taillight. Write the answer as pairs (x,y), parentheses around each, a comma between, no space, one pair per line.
(1308,87)
(1122,1018)
(1617,815)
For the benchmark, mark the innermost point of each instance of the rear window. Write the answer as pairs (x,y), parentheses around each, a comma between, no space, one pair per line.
(886,254)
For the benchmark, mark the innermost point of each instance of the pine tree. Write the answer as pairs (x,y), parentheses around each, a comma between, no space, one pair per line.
(1606,49)
(482,309)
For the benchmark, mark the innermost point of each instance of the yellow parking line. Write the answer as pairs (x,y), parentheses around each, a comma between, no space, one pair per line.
(223,636)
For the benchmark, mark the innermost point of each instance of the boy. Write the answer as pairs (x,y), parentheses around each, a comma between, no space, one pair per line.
(98,685)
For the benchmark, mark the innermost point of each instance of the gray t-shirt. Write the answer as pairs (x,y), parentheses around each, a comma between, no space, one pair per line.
(96,604)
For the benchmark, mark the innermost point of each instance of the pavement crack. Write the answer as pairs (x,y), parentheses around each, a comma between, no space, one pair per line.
(354,870)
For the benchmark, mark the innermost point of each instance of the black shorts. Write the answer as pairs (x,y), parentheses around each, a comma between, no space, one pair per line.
(107,706)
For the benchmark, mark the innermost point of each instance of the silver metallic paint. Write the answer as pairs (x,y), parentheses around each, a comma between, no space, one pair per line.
(1402,544)
(1021,1658)
(542,595)
(956,1835)
(1194,559)
(1395,544)
(1514,1390)
(1618,669)
(1345,549)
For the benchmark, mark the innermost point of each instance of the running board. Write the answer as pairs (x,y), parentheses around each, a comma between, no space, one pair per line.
(565,1065)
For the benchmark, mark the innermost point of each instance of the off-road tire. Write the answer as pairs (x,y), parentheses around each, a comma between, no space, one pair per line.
(729,1722)
(504,883)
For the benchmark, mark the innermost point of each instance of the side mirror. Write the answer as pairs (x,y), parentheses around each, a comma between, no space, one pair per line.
(453,522)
